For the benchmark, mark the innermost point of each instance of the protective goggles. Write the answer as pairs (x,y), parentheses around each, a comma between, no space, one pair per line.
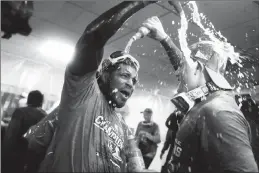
(124,58)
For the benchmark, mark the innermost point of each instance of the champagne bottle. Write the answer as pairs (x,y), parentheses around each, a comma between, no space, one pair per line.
(142,32)
(135,162)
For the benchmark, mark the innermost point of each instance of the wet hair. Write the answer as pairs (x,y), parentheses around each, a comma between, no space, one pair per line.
(35,99)
(108,67)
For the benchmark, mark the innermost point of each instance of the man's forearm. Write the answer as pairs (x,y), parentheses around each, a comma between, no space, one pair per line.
(109,22)
(167,122)
(156,139)
(174,53)
(89,48)
(166,146)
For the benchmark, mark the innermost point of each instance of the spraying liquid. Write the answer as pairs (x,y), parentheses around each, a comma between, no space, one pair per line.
(127,48)
(142,32)
(223,47)
(183,36)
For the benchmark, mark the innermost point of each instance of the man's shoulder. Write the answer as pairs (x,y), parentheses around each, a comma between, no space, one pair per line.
(155,125)
(89,75)
(20,110)
(220,103)
(37,111)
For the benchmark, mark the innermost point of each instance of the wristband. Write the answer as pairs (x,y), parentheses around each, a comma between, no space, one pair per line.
(165,39)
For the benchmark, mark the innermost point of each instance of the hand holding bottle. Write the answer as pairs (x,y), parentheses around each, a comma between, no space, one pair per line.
(156,28)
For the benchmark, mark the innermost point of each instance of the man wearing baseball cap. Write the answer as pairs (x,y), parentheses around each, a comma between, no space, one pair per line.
(214,135)
(148,136)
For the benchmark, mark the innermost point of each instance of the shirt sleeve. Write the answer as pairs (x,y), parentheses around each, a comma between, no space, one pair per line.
(225,138)
(77,89)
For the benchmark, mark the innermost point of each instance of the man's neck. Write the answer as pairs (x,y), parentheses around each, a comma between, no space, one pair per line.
(147,121)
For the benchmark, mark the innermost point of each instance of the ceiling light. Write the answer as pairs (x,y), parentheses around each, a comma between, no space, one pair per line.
(57,50)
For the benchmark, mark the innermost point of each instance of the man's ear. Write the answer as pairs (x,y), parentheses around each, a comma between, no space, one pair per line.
(105,77)
(199,67)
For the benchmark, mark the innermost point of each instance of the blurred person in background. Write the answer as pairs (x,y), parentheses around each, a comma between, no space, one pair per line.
(214,135)
(169,144)
(12,102)
(172,124)
(148,136)
(14,145)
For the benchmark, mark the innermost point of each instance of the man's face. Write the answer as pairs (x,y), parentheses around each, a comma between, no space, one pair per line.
(147,116)
(122,84)
(188,76)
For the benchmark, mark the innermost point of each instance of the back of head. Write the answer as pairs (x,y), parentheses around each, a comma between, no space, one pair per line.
(214,56)
(35,99)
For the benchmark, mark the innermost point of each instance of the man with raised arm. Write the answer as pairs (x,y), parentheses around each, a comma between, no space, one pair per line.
(89,135)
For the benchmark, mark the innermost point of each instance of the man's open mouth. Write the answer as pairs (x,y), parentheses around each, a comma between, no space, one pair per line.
(125,93)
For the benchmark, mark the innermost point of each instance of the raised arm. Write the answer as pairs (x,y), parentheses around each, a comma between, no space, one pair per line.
(174,53)
(89,48)
(157,32)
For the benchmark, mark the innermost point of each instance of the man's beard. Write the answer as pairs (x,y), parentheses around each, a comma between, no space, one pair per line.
(108,93)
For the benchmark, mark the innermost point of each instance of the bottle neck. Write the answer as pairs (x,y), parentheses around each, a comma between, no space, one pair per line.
(131,142)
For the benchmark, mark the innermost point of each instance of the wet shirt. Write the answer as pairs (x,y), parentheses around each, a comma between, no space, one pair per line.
(214,137)
(90,136)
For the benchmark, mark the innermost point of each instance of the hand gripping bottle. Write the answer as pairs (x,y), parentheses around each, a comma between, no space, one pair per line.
(135,162)
(142,32)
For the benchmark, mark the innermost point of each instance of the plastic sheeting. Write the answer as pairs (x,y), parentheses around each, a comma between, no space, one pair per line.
(20,75)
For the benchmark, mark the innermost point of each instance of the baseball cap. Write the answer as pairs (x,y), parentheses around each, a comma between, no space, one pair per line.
(148,110)
(214,57)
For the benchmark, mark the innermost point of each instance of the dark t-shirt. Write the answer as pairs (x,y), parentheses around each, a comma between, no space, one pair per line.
(214,137)
(172,122)
(147,146)
(14,145)
(90,136)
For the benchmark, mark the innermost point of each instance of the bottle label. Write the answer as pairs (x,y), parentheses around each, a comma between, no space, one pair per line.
(135,161)
(136,164)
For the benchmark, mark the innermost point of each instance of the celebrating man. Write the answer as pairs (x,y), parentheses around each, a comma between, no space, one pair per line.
(89,136)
